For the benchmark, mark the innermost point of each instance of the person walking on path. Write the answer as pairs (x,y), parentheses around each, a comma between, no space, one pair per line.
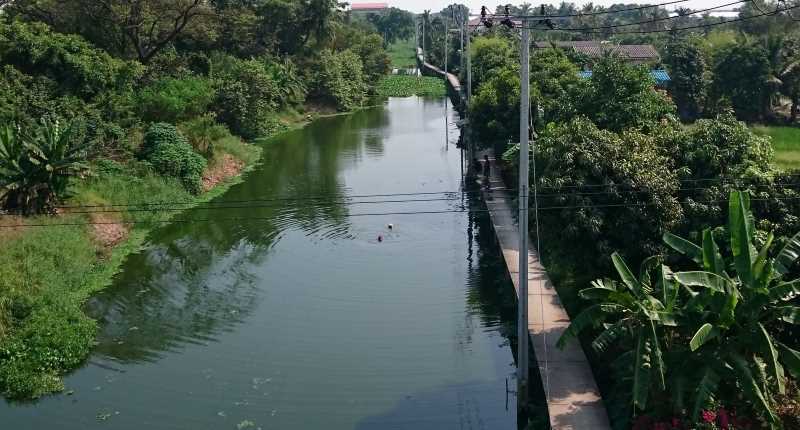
(487,168)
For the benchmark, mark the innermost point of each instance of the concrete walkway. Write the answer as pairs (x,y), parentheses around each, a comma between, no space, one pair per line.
(573,399)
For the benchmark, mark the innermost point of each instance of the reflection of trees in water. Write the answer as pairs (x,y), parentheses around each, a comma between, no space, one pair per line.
(491,295)
(192,283)
(173,295)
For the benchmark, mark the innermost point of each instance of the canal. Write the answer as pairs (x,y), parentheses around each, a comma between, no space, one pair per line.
(297,307)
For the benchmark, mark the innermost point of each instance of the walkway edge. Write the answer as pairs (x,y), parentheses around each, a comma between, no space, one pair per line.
(573,399)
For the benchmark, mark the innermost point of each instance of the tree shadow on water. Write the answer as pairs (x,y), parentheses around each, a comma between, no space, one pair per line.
(470,405)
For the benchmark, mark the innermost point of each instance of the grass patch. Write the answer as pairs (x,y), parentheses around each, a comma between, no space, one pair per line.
(407,86)
(785,142)
(48,273)
(402,54)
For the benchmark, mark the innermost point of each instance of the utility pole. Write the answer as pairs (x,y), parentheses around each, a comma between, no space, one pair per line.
(446,81)
(524,141)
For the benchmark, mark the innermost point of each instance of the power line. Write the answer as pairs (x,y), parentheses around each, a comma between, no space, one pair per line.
(170,206)
(432,212)
(706,25)
(667,18)
(165,207)
(574,15)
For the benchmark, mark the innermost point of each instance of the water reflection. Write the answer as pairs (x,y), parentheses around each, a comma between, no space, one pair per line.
(289,313)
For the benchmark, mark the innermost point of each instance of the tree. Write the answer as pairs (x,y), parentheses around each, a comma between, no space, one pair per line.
(620,96)
(742,74)
(490,55)
(396,24)
(688,69)
(143,27)
(688,339)
(632,194)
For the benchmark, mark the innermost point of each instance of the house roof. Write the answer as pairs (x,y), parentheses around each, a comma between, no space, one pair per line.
(369,6)
(660,76)
(595,49)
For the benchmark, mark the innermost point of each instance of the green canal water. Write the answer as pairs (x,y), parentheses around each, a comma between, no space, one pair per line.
(289,313)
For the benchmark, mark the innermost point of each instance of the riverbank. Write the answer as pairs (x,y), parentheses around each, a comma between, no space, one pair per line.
(49,269)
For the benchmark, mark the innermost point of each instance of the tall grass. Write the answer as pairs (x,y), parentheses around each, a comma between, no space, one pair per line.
(785,142)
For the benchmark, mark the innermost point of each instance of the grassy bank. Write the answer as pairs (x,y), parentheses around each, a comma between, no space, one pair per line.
(407,86)
(786,142)
(48,272)
(402,54)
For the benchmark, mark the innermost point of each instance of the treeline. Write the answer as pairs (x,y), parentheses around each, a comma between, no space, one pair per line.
(617,170)
(206,67)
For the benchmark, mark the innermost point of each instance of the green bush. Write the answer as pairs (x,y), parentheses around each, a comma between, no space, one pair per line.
(617,192)
(173,100)
(684,342)
(36,164)
(171,155)
(338,78)
(74,64)
(202,132)
(246,95)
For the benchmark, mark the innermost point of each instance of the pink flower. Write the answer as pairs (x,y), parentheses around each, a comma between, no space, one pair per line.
(676,423)
(660,426)
(724,418)
(709,416)
(642,422)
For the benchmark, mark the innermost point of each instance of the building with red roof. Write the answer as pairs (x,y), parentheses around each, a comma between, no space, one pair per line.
(366,8)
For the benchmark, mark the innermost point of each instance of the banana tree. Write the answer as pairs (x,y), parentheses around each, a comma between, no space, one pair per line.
(704,333)
(35,166)
(633,314)
(732,306)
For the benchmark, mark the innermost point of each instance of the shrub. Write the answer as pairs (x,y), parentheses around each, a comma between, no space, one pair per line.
(36,163)
(78,67)
(617,191)
(685,341)
(338,78)
(246,95)
(171,155)
(173,100)
(202,132)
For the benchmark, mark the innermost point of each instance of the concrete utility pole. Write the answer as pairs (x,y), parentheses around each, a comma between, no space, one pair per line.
(522,323)
(446,102)
(469,65)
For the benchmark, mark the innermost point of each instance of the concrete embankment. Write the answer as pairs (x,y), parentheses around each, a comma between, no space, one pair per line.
(573,399)
(453,84)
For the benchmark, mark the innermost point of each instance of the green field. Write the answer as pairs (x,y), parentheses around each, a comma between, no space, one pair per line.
(407,86)
(402,54)
(786,142)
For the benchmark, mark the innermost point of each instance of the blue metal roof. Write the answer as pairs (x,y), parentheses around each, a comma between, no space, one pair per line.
(661,76)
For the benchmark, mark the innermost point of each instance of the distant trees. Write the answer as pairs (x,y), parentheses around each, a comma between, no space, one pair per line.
(396,24)
(742,74)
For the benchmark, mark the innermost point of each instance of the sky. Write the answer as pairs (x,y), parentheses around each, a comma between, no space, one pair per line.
(475,5)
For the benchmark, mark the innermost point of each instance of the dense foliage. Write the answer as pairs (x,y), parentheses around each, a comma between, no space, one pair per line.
(684,340)
(36,163)
(154,89)
(167,149)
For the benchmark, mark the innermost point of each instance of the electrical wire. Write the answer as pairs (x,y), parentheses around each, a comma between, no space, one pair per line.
(667,18)
(707,25)
(431,212)
(574,15)
(449,196)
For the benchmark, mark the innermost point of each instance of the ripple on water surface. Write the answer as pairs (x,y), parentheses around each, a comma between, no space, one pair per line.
(289,313)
